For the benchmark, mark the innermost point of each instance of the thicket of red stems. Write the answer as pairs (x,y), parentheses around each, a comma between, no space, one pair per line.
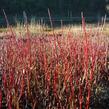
(46,72)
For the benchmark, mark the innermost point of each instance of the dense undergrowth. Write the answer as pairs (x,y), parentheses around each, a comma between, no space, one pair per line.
(52,71)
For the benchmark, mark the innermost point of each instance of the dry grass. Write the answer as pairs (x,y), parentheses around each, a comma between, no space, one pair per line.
(37,29)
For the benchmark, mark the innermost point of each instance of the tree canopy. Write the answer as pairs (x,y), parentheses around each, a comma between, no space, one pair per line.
(57,7)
